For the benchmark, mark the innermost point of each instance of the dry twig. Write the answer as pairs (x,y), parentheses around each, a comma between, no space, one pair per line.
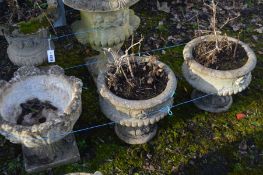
(216,31)
(235,51)
(120,61)
(47,18)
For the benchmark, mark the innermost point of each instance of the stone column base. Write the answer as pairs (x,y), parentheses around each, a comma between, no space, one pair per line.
(48,156)
(212,103)
(136,135)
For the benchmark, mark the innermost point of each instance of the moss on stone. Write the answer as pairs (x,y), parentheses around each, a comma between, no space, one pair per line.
(33,25)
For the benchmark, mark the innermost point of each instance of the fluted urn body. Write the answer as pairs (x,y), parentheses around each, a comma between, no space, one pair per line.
(220,83)
(28,49)
(44,137)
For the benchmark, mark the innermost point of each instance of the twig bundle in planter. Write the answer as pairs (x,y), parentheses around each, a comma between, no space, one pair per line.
(210,54)
(133,79)
(217,64)
(137,108)
(230,56)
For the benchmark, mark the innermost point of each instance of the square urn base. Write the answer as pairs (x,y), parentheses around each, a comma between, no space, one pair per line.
(45,157)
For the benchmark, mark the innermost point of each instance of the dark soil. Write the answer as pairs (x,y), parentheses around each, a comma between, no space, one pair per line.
(23,11)
(149,81)
(32,112)
(231,56)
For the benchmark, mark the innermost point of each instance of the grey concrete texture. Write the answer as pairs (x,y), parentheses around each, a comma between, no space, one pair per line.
(46,84)
(222,82)
(136,114)
(28,49)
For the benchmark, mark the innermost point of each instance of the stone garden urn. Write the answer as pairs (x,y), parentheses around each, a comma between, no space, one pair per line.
(28,49)
(103,24)
(31,49)
(44,138)
(220,83)
(136,120)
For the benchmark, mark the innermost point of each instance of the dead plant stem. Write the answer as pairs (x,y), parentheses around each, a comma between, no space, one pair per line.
(235,51)
(47,18)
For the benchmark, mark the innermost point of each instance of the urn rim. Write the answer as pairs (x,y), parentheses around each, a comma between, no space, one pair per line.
(168,93)
(224,74)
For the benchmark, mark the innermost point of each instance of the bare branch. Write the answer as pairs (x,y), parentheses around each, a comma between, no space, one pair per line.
(120,61)
(229,20)
(133,45)
(46,17)
(235,51)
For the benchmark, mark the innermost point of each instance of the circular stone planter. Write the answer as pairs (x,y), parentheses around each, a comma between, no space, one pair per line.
(45,144)
(221,83)
(136,120)
(31,49)
(28,50)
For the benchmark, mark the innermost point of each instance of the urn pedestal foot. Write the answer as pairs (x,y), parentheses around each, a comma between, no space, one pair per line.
(212,103)
(48,156)
(136,135)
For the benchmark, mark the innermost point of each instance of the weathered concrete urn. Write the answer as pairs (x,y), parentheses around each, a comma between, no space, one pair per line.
(45,142)
(28,49)
(103,24)
(31,49)
(136,120)
(221,83)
